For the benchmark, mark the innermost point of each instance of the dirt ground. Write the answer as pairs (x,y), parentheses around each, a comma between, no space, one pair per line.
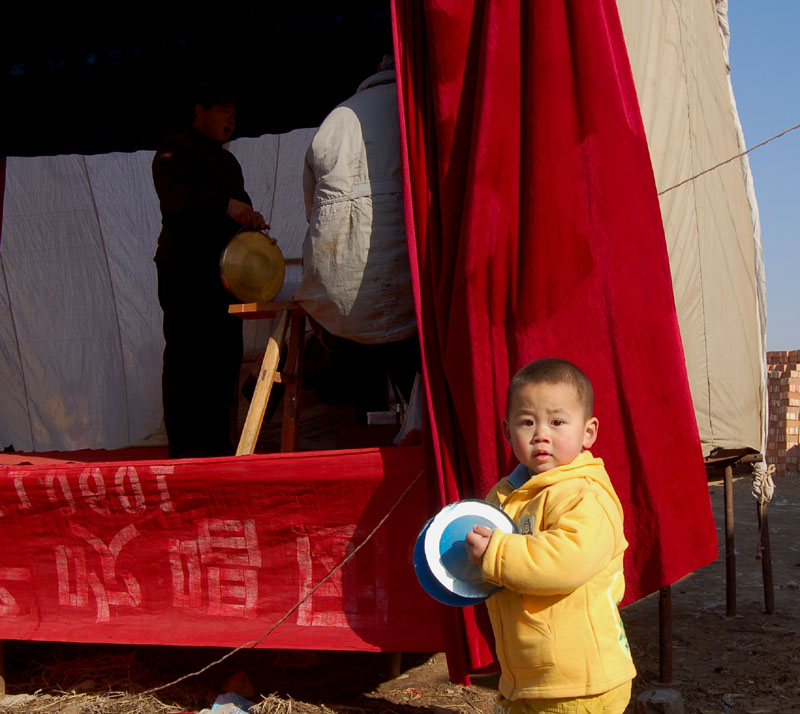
(748,664)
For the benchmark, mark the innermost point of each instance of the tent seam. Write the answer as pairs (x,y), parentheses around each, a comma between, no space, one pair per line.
(113,298)
(274,180)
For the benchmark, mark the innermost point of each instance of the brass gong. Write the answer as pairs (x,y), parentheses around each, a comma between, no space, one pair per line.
(252,266)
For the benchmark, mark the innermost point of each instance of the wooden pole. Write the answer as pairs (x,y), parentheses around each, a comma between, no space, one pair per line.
(665,635)
(258,405)
(395,664)
(730,552)
(765,552)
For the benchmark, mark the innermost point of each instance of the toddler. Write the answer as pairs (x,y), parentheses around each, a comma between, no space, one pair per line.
(558,633)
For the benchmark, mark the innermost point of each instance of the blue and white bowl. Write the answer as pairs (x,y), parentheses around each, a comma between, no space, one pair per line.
(440,553)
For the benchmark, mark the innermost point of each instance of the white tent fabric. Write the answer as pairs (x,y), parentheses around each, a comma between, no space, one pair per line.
(80,325)
(678,53)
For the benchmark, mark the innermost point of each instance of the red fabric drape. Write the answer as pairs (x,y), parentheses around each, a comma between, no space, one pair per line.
(534,230)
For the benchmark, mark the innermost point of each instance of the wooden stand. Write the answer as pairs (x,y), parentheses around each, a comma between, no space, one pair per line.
(292,317)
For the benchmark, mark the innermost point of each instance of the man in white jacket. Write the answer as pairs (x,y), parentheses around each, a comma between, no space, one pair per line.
(356,277)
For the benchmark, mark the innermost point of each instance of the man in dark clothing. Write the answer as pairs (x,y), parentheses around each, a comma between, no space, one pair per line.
(203,204)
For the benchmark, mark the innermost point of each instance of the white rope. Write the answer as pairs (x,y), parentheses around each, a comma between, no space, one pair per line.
(763,486)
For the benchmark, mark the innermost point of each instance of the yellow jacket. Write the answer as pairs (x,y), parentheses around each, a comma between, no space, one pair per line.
(557,628)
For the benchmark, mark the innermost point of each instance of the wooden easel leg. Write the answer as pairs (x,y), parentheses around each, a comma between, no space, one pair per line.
(258,405)
(292,375)
(730,551)
(2,669)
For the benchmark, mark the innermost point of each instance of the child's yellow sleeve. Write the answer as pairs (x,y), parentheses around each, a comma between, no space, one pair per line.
(567,554)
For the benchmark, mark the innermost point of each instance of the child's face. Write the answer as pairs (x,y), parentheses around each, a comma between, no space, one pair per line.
(547,427)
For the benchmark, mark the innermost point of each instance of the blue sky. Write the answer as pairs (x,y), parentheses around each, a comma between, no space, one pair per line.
(765,70)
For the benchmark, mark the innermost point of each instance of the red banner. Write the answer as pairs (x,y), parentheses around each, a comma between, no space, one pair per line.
(215,551)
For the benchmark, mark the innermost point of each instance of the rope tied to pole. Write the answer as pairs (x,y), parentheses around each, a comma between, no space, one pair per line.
(763,487)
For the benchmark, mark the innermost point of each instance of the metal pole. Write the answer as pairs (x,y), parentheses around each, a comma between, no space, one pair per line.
(730,552)
(665,635)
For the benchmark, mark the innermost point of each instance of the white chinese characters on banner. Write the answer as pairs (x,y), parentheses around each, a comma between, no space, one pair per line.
(76,576)
(8,603)
(345,600)
(115,531)
(227,557)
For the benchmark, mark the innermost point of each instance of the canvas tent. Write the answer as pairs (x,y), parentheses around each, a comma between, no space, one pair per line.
(679,57)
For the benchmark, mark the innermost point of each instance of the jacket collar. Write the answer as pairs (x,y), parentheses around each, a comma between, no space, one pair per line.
(518,477)
(388,76)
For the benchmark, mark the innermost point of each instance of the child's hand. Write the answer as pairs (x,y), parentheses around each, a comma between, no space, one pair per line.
(477,543)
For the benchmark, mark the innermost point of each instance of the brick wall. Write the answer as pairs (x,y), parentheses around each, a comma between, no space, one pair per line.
(783,434)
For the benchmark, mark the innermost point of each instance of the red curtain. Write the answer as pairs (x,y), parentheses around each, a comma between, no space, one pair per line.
(534,230)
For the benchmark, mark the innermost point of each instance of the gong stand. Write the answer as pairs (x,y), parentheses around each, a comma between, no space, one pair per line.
(286,316)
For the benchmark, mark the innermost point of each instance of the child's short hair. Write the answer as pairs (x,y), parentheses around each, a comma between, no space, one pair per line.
(552,370)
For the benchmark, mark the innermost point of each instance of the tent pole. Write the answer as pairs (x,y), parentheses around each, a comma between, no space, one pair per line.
(765,553)
(730,552)
(665,635)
